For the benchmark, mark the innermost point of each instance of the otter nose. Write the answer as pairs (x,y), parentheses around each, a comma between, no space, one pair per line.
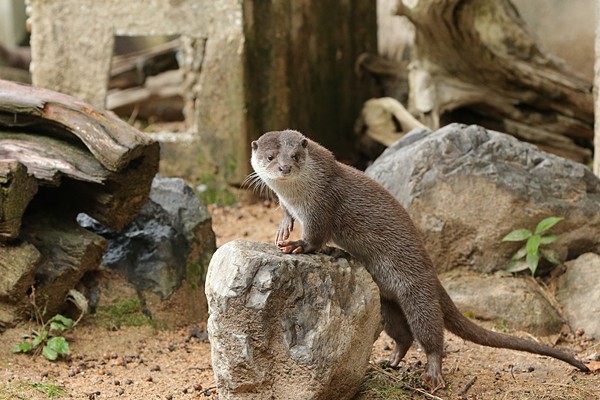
(285,169)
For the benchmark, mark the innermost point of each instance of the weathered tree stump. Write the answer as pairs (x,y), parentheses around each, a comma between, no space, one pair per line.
(474,62)
(60,157)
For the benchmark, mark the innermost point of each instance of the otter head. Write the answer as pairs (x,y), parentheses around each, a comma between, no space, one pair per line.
(279,156)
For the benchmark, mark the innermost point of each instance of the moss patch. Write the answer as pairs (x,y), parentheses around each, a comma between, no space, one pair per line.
(126,312)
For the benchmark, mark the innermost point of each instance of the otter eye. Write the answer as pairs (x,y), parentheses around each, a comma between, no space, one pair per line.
(270,158)
(295,157)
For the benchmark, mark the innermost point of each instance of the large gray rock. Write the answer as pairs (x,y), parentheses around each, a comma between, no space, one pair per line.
(466,187)
(578,292)
(165,250)
(289,326)
(516,300)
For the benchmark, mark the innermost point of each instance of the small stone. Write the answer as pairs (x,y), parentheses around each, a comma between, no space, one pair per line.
(184,391)
(120,391)
(71,373)
(117,382)
(45,374)
(129,382)
(149,379)
(580,332)
(530,369)
(171,347)
(169,397)
(155,368)
(101,371)
(386,347)
(197,387)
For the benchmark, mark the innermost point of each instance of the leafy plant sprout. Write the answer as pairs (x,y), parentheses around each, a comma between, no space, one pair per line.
(48,337)
(528,256)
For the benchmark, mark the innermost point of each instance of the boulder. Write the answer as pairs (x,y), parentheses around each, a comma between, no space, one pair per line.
(518,301)
(289,326)
(579,293)
(467,187)
(164,252)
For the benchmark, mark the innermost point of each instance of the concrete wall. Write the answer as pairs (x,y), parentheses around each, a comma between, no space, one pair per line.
(565,28)
(251,66)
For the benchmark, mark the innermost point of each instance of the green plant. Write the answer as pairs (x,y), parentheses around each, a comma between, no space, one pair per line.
(531,252)
(48,337)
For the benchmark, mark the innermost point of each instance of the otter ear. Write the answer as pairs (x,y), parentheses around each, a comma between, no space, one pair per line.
(254,145)
(304,143)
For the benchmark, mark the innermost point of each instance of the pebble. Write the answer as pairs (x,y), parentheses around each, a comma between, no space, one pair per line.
(155,368)
(149,379)
(117,382)
(171,347)
(129,382)
(120,391)
(197,387)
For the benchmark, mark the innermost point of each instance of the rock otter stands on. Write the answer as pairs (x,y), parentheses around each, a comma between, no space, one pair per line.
(335,202)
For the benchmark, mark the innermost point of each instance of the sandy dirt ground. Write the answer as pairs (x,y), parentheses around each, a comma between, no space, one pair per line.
(150,363)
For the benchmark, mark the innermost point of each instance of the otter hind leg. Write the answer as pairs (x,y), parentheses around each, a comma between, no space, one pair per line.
(396,326)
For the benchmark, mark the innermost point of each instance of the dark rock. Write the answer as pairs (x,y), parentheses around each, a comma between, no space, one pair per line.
(170,243)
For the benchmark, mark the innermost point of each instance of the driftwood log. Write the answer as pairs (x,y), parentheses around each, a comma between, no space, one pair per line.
(474,62)
(60,157)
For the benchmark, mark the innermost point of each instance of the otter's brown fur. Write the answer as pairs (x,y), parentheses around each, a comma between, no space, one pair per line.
(335,202)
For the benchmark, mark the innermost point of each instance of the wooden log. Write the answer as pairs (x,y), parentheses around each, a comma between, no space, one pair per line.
(113,198)
(474,62)
(17,188)
(113,142)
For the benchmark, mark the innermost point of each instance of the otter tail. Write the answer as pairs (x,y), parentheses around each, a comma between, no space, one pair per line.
(461,326)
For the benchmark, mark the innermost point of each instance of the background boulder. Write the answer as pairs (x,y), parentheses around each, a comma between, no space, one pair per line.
(578,292)
(466,187)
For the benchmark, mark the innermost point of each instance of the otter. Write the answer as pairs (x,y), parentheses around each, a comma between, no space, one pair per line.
(337,203)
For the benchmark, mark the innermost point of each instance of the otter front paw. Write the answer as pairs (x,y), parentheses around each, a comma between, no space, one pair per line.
(294,247)
(286,226)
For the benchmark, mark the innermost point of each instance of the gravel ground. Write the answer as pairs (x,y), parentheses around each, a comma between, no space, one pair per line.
(149,363)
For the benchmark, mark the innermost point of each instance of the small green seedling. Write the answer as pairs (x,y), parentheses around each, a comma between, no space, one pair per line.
(48,337)
(531,251)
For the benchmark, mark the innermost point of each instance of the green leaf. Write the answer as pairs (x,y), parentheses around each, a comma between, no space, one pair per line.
(532,262)
(39,339)
(548,238)
(551,255)
(49,353)
(522,252)
(517,235)
(23,347)
(533,244)
(59,344)
(62,320)
(517,266)
(547,223)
